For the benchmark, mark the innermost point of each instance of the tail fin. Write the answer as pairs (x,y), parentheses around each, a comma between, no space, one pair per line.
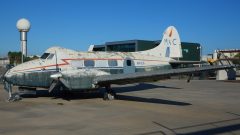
(170,45)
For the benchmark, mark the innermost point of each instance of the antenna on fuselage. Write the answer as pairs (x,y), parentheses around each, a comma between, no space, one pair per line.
(57,69)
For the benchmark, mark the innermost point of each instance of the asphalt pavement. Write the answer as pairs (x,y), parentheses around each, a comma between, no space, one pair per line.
(165,107)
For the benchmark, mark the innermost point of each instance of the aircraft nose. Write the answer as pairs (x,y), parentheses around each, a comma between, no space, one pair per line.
(7,76)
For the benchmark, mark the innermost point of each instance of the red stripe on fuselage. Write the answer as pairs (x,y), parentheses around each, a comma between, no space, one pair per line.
(67,63)
(94,59)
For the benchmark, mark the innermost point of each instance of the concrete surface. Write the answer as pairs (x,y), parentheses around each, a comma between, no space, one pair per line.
(166,107)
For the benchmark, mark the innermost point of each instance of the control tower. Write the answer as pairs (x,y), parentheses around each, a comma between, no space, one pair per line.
(23,26)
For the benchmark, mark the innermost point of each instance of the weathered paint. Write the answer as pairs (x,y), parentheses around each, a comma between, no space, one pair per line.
(37,73)
(75,74)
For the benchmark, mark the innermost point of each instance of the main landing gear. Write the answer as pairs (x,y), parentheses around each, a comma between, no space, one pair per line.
(109,94)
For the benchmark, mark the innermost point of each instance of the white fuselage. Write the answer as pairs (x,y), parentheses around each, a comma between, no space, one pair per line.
(37,73)
(78,69)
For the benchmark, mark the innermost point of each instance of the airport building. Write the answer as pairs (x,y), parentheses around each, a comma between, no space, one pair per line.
(191,51)
(4,61)
(228,57)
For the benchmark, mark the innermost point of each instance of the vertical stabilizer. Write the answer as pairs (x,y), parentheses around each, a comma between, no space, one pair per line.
(170,45)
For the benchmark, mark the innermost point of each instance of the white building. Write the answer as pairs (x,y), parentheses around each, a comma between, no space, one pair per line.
(226,57)
(4,61)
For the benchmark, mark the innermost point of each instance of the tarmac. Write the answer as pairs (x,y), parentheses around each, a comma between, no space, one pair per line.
(164,107)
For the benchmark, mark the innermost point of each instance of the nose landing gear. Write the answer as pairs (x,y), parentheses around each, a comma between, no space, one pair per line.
(11,97)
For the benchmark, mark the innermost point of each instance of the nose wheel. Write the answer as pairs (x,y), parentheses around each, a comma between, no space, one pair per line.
(109,94)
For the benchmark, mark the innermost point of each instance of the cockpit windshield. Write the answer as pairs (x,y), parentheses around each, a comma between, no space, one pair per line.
(50,56)
(45,55)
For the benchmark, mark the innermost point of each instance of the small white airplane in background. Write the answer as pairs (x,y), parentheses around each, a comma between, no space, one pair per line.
(75,71)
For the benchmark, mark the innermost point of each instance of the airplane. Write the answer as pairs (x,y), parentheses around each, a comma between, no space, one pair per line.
(68,70)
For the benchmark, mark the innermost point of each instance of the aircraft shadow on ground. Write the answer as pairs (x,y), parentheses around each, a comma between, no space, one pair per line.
(151,100)
(228,128)
(217,130)
(69,96)
(141,87)
(97,94)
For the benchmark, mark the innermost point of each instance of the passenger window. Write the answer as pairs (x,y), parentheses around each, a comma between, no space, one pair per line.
(129,62)
(77,63)
(50,56)
(45,55)
(112,63)
(89,63)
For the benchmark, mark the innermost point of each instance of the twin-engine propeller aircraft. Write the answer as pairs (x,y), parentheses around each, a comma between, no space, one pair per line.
(75,71)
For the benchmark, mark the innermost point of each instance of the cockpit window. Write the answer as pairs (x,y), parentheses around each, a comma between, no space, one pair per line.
(45,55)
(50,56)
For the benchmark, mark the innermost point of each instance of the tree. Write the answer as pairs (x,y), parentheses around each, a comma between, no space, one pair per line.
(30,58)
(15,57)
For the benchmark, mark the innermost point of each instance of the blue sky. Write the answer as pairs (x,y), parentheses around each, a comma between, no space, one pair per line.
(76,24)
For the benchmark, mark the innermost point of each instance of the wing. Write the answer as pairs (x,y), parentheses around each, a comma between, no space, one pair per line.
(152,75)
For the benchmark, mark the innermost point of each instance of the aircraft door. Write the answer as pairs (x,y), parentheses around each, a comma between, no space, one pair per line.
(128,66)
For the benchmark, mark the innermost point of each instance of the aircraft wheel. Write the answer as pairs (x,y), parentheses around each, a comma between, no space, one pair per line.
(109,96)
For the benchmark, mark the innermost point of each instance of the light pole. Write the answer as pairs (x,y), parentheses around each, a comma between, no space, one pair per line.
(23,26)
(200,51)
